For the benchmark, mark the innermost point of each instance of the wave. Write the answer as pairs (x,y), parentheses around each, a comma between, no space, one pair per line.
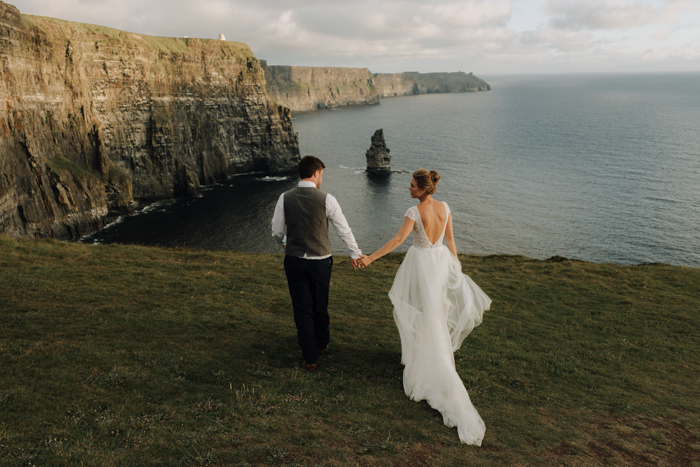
(153,207)
(273,179)
(91,235)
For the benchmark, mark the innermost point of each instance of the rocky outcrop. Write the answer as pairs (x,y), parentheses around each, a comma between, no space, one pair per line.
(95,118)
(410,82)
(378,157)
(303,88)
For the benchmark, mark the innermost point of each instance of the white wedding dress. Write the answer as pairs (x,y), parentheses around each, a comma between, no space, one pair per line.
(435,308)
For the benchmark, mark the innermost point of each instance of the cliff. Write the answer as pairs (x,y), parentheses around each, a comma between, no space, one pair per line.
(95,118)
(408,83)
(304,88)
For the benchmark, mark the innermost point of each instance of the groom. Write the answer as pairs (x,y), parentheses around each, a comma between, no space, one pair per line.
(305,211)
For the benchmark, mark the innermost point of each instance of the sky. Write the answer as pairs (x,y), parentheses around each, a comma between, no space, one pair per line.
(486,37)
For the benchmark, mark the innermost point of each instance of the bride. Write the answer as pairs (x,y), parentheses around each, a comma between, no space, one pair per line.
(435,308)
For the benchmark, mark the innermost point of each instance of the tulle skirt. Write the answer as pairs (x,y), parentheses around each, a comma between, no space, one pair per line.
(435,308)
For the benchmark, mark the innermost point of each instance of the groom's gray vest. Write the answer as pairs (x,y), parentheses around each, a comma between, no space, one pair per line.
(307,224)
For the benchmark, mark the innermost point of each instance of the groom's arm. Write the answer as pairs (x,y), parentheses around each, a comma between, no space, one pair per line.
(335,215)
(278,222)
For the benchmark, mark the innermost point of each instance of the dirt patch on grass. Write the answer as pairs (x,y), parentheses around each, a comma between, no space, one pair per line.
(628,456)
(420,454)
(564,449)
(682,454)
(661,442)
(599,452)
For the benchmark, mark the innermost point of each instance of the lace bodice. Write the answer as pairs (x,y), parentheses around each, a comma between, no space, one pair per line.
(420,238)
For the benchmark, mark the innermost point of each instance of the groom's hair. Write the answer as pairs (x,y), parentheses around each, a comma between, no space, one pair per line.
(308,165)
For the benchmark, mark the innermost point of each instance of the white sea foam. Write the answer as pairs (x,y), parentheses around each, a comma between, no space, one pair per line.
(273,179)
(118,220)
(152,207)
(89,236)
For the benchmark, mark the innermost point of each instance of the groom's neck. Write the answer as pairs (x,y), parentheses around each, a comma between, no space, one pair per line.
(312,180)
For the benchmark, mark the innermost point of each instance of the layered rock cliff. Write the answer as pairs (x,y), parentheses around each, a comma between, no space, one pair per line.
(303,88)
(94,118)
(408,83)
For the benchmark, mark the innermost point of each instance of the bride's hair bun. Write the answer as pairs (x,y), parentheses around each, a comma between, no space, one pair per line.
(426,180)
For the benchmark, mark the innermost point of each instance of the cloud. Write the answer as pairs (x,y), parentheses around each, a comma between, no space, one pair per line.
(607,15)
(373,32)
(611,35)
(423,35)
(556,38)
(386,24)
(315,26)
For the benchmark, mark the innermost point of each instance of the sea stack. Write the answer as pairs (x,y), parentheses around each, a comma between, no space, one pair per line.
(378,158)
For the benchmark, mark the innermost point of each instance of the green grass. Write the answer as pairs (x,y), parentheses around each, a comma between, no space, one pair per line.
(60,164)
(126,355)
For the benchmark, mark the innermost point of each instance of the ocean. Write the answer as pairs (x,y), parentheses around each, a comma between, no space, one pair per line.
(602,168)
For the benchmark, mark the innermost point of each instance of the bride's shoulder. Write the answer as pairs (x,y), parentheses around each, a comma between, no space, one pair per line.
(447,207)
(412,212)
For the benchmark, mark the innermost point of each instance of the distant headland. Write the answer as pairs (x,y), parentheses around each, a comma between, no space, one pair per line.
(304,88)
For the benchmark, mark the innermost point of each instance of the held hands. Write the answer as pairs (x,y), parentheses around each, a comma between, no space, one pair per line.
(364,261)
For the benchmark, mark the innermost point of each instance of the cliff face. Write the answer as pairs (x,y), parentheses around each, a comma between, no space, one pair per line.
(95,118)
(303,88)
(408,83)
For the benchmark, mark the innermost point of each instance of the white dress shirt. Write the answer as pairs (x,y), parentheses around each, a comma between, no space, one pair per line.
(334,214)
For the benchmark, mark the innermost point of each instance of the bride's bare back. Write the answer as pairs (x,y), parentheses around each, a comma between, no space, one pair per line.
(434,219)
(433,215)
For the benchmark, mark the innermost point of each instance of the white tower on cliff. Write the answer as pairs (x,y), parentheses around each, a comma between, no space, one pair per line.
(222,37)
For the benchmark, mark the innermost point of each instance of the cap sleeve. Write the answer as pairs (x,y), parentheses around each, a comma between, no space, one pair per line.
(411,213)
(447,209)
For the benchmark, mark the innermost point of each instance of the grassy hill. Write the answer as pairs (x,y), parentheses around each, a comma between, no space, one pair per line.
(57,29)
(126,355)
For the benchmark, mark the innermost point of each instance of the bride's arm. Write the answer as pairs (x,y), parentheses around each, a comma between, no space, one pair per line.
(392,244)
(450,236)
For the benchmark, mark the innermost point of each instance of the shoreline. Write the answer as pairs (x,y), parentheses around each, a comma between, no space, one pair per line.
(345,257)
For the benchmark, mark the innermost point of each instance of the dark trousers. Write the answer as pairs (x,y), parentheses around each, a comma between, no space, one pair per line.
(309,282)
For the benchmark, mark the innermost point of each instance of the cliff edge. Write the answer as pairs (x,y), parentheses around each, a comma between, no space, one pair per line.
(95,118)
(303,88)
